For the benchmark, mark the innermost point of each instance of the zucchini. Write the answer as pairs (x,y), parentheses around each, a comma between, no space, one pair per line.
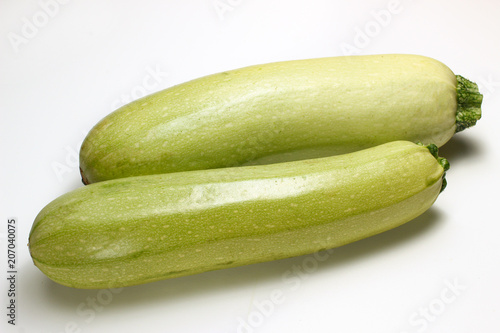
(281,112)
(136,230)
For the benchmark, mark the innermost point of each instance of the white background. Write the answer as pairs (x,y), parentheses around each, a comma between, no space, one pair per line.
(65,65)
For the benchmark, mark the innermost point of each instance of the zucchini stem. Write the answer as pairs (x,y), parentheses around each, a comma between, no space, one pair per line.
(469,101)
(433,149)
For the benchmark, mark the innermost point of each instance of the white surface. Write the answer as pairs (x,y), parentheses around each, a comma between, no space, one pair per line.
(74,68)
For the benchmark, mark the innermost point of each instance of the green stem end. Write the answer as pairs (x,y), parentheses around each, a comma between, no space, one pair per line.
(433,149)
(469,101)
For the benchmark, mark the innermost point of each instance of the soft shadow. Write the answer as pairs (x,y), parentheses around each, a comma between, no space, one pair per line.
(461,147)
(168,292)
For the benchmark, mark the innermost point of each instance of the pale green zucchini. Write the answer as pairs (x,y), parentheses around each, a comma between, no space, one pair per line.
(136,230)
(281,112)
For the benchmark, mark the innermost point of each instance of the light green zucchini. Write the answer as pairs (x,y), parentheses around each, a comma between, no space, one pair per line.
(281,112)
(136,230)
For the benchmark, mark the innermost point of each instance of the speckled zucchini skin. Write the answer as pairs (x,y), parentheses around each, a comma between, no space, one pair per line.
(279,112)
(140,229)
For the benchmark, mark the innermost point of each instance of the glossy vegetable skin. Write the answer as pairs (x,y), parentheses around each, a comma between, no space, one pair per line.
(279,112)
(136,230)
